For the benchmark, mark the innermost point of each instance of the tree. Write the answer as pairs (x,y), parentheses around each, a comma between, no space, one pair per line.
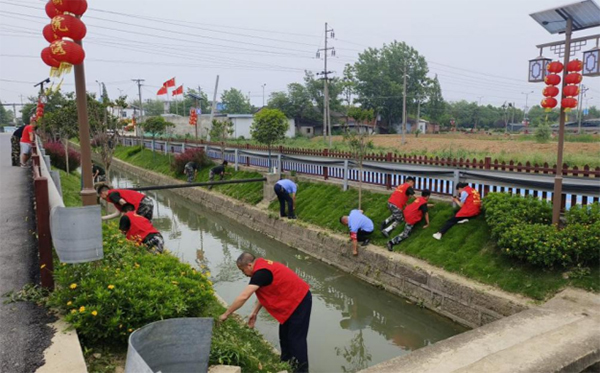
(269,126)
(296,103)
(156,125)
(221,131)
(6,116)
(435,106)
(235,103)
(62,124)
(54,100)
(190,102)
(359,142)
(379,79)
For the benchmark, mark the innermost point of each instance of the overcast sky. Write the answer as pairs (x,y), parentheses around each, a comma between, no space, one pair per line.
(478,48)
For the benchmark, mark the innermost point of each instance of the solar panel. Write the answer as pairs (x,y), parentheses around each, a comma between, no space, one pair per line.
(585,14)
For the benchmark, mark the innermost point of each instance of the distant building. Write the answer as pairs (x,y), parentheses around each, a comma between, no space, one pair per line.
(309,128)
(130,112)
(426,127)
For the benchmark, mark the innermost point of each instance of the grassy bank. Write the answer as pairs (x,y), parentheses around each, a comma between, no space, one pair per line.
(466,249)
(251,192)
(106,301)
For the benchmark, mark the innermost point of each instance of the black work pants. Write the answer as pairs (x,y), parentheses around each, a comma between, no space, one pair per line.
(362,235)
(293,333)
(452,222)
(283,196)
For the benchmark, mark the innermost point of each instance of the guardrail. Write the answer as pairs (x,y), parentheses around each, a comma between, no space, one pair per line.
(581,189)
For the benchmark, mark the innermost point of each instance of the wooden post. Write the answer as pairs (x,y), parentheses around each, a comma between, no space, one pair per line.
(325,168)
(42,212)
(388,177)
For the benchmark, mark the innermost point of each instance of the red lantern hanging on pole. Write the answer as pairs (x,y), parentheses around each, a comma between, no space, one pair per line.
(49,34)
(573,78)
(574,66)
(550,91)
(68,26)
(549,103)
(555,67)
(552,79)
(50,61)
(67,53)
(76,7)
(51,10)
(571,90)
(568,104)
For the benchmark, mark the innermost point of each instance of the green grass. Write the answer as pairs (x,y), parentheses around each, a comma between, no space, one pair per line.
(71,186)
(248,192)
(466,249)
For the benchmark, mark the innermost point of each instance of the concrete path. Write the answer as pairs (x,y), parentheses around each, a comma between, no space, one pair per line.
(24,333)
(563,335)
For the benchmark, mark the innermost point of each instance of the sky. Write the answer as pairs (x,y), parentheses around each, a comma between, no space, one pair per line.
(478,48)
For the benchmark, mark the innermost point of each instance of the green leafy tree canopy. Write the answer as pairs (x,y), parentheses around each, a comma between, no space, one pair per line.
(156,125)
(235,102)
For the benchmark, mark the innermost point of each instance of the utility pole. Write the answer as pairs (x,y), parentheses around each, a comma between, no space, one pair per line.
(139,83)
(582,92)
(326,115)
(214,106)
(263,87)
(526,111)
(15,114)
(404,107)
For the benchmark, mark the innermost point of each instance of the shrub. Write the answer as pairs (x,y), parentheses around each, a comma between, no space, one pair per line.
(134,150)
(56,151)
(523,230)
(190,155)
(543,133)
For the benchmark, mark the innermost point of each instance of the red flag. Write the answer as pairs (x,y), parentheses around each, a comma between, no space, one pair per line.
(162,91)
(178,91)
(169,83)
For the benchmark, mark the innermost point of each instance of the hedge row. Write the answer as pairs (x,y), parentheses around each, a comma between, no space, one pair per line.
(522,226)
(56,151)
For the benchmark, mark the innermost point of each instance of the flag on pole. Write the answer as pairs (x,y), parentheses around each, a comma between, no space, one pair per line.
(178,91)
(162,91)
(169,83)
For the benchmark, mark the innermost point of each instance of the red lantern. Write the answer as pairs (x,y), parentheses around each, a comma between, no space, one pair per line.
(571,90)
(49,35)
(48,59)
(550,91)
(69,27)
(51,10)
(573,78)
(555,67)
(574,66)
(552,79)
(568,104)
(77,7)
(549,103)
(65,51)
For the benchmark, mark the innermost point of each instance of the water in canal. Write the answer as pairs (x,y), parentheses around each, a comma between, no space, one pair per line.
(353,324)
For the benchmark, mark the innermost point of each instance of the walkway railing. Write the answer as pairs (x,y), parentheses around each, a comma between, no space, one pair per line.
(439,176)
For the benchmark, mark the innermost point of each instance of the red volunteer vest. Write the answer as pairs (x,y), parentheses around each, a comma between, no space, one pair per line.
(140,227)
(399,197)
(285,293)
(130,196)
(472,205)
(412,214)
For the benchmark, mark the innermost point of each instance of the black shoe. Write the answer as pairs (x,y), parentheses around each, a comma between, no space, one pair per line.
(365,242)
(390,246)
(292,217)
(382,227)
(385,233)
(283,216)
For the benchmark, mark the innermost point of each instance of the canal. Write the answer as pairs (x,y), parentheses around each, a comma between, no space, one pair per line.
(353,324)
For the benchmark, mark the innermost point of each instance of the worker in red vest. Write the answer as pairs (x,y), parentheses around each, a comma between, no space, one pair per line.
(121,197)
(286,297)
(396,204)
(470,206)
(413,214)
(140,230)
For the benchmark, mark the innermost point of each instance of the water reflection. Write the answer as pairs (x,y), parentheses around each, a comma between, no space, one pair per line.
(353,325)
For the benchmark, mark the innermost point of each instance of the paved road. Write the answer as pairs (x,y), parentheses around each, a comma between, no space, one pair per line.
(24,334)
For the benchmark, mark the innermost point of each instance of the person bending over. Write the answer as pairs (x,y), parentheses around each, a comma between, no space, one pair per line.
(286,193)
(143,205)
(140,230)
(396,204)
(413,214)
(361,227)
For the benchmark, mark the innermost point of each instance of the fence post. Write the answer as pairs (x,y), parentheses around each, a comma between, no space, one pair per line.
(279,164)
(345,175)
(488,163)
(166,147)
(42,211)
(455,181)
(247,156)
(388,177)
(325,168)
(183,146)
(237,167)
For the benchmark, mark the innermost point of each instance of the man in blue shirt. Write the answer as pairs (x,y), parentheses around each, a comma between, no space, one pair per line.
(286,192)
(361,227)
